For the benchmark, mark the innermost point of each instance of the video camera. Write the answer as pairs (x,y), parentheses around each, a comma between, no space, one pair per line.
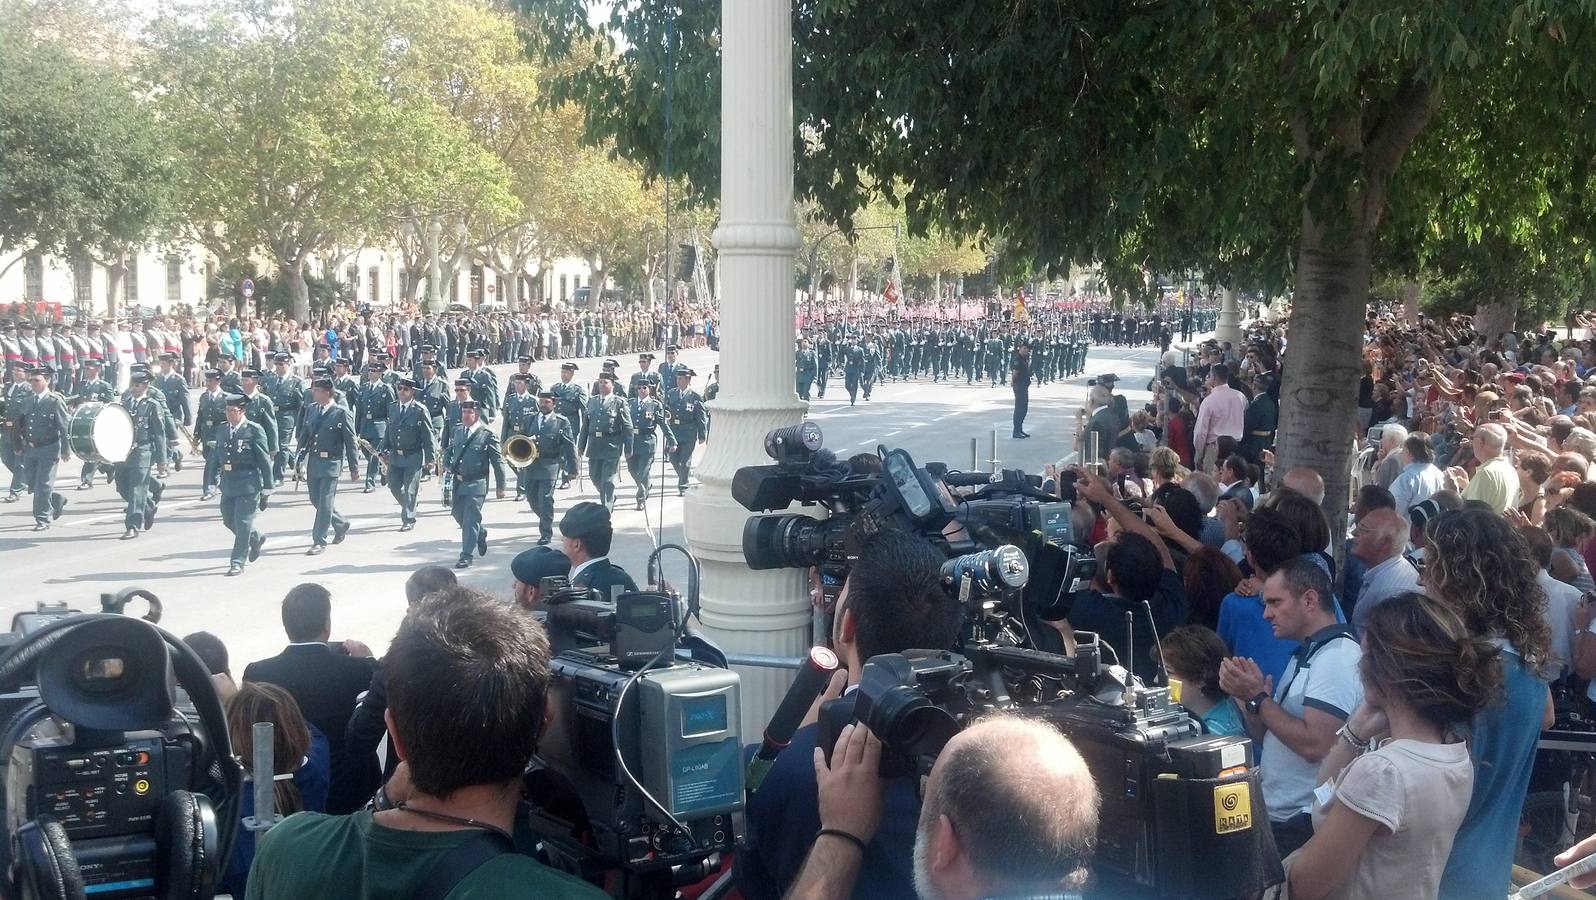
(641,772)
(112,787)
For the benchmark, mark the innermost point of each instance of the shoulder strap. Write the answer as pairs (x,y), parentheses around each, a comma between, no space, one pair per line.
(458,864)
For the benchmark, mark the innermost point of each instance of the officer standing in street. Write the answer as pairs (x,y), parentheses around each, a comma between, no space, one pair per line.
(327,439)
(451,424)
(644,361)
(689,425)
(667,369)
(210,414)
(39,422)
(517,404)
(570,400)
(287,393)
(17,392)
(805,368)
(648,415)
(246,473)
(371,418)
(93,389)
(853,363)
(556,442)
(534,384)
(484,384)
(149,447)
(1020,381)
(606,432)
(823,350)
(473,450)
(262,412)
(174,389)
(408,446)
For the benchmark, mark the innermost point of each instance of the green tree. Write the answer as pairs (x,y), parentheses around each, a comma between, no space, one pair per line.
(1261,143)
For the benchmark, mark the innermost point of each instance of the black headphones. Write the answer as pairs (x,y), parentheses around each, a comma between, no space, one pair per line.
(193,838)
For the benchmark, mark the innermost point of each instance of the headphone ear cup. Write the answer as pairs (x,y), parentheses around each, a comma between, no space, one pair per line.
(187,858)
(49,870)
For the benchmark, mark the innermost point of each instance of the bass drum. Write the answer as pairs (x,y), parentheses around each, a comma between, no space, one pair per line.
(101,433)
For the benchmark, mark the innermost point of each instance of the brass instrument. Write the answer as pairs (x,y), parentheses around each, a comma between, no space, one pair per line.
(520,451)
(366,445)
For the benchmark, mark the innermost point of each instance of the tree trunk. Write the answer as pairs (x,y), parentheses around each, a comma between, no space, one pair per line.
(1410,301)
(115,283)
(1494,319)
(298,289)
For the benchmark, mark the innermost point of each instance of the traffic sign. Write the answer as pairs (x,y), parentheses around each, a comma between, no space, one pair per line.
(247,288)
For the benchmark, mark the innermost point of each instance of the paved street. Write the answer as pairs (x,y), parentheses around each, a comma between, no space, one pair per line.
(184,557)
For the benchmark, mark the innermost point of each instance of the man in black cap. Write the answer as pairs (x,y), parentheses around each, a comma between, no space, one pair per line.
(556,448)
(429,354)
(261,410)
(327,438)
(231,382)
(689,424)
(371,418)
(1020,382)
(609,366)
(648,415)
(210,413)
(570,401)
(588,533)
(484,384)
(38,422)
(246,473)
(93,389)
(149,446)
(805,367)
(667,369)
(530,567)
(344,382)
(174,390)
(524,370)
(644,361)
(451,424)
(408,446)
(473,451)
(606,434)
(288,396)
(519,404)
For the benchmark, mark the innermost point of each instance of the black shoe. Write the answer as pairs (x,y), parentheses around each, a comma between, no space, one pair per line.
(149,519)
(206,495)
(261,503)
(1019,436)
(158,491)
(127,535)
(316,550)
(12,497)
(367,489)
(82,486)
(57,504)
(235,569)
(482,542)
(464,563)
(544,541)
(110,477)
(41,526)
(407,526)
(338,533)
(520,495)
(639,504)
(255,544)
(565,483)
(178,465)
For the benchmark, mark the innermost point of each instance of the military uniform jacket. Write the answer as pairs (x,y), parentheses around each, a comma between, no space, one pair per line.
(346,385)
(211,413)
(149,423)
(639,377)
(410,436)
(327,437)
(534,387)
(232,383)
(434,395)
(689,420)
(261,411)
(95,390)
(485,390)
(806,364)
(287,393)
(516,407)
(648,415)
(555,440)
(667,372)
(40,422)
(472,452)
(570,399)
(853,359)
(608,429)
(372,401)
(175,387)
(243,459)
(617,391)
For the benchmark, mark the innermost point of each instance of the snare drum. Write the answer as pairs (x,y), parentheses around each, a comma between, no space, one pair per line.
(101,433)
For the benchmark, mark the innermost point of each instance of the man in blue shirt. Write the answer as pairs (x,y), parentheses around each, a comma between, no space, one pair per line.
(1270,542)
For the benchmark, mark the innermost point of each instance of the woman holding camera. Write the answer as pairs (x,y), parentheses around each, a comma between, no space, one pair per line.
(1397,782)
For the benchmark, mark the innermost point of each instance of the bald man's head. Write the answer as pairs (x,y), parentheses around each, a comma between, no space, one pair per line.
(1306,482)
(1010,808)
(1379,536)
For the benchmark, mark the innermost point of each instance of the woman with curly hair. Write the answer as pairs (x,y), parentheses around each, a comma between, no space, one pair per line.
(1397,781)
(1481,566)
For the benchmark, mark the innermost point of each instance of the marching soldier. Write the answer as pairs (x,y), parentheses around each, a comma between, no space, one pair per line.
(823,351)
(327,440)
(484,384)
(517,404)
(231,382)
(408,446)
(246,473)
(343,382)
(667,369)
(805,367)
(451,424)
(606,432)
(853,362)
(644,361)
(556,445)
(473,450)
(261,411)
(17,393)
(287,393)
(149,446)
(689,423)
(38,422)
(648,414)
(371,418)
(433,393)
(608,368)
(210,414)
(534,383)
(872,364)
(174,390)
(93,389)
(429,354)
(571,402)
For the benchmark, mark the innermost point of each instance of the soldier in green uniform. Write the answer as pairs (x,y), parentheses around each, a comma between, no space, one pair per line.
(92,389)
(429,354)
(644,362)
(484,384)
(344,382)
(16,392)
(287,393)
(408,446)
(805,367)
(556,446)
(231,382)
(667,369)
(327,440)
(372,401)
(608,368)
(174,390)
(689,423)
(210,414)
(853,362)
(534,383)
(388,375)
(473,450)
(246,467)
(648,415)
(38,422)
(517,404)
(451,423)
(570,401)
(607,430)
(263,412)
(432,392)
(149,447)
(823,353)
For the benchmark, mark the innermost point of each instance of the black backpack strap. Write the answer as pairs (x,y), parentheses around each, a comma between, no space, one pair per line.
(458,864)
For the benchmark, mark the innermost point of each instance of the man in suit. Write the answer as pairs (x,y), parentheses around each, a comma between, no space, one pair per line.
(324,680)
(689,423)
(39,424)
(149,447)
(644,361)
(606,432)
(246,473)
(408,445)
(473,450)
(372,401)
(556,447)
(587,535)
(327,438)
(648,415)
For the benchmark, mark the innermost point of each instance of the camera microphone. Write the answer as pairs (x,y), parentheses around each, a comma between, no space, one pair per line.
(811,681)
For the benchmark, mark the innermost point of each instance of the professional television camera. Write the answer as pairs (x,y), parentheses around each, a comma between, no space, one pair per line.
(111,787)
(641,769)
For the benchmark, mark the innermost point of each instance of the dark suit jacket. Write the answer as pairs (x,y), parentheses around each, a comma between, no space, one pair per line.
(325,684)
(603,576)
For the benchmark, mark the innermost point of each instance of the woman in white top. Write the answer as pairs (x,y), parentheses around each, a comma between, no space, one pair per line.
(1395,785)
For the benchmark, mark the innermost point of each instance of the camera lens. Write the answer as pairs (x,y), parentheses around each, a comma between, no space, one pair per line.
(786,541)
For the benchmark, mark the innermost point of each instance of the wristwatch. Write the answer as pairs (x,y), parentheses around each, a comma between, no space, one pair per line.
(1255,705)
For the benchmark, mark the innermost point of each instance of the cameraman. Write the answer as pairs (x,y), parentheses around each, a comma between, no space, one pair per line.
(1010,811)
(463,663)
(892,601)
